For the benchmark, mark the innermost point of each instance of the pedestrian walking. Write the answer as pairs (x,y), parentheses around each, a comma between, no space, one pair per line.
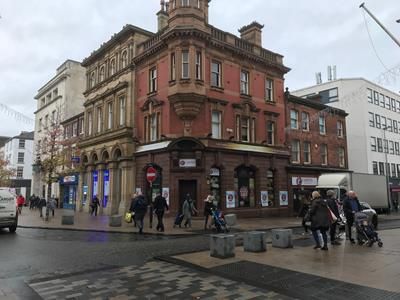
(333,206)
(40,205)
(20,203)
(160,205)
(94,205)
(139,207)
(32,199)
(304,213)
(208,206)
(319,220)
(351,205)
(188,210)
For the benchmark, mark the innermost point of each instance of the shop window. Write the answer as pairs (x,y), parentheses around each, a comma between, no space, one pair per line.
(245,186)
(271,188)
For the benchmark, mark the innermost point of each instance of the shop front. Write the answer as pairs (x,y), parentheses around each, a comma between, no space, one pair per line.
(301,187)
(68,191)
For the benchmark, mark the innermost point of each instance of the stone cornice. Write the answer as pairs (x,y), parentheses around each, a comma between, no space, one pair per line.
(104,137)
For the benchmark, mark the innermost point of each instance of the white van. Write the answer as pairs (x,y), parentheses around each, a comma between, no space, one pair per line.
(8,210)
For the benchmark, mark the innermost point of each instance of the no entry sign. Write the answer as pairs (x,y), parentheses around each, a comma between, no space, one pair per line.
(151,174)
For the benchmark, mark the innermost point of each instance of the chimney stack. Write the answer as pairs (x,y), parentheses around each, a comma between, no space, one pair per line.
(252,33)
(162,16)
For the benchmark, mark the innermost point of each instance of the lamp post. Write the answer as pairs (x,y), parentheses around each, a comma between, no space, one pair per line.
(387,167)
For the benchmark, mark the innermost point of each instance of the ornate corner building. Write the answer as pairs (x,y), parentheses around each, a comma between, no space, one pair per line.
(203,107)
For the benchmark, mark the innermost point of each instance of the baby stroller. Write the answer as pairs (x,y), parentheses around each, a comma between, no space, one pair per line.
(365,231)
(219,220)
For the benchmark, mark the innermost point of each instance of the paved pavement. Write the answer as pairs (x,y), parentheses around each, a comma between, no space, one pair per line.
(84,221)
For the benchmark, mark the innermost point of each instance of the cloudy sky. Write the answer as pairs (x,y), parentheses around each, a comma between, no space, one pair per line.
(36,36)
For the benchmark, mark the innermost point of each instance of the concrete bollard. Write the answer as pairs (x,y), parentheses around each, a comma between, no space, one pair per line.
(282,238)
(222,245)
(115,221)
(67,219)
(255,241)
(231,219)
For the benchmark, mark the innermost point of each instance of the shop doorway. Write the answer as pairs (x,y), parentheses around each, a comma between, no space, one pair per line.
(187,187)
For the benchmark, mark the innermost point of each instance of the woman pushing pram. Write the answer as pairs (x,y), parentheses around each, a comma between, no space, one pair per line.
(365,231)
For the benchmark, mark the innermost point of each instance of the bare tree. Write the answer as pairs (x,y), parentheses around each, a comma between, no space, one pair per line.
(5,173)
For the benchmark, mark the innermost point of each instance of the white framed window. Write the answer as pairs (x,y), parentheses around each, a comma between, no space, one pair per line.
(324,154)
(294,119)
(373,143)
(305,121)
(339,129)
(244,82)
(379,144)
(245,129)
(295,151)
(122,110)
(110,115)
(341,156)
(21,157)
(124,59)
(322,125)
(90,123)
(375,168)
(198,65)
(270,133)
(21,144)
(153,80)
(216,74)
(269,90)
(20,172)
(99,119)
(216,124)
(185,64)
(378,121)
(307,152)
(113,67)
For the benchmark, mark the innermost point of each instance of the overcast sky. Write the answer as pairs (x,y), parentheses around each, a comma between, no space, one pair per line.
(36,36)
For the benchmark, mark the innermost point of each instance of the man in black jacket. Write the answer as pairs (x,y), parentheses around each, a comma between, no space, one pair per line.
(351,205)
(139,207)
(160,205)
(332,204)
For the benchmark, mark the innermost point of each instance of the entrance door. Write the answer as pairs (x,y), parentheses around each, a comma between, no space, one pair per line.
(187,187)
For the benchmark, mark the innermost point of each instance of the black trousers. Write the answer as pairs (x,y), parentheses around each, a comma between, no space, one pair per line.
(160,224)
(332,231)
(206,216)
(349,223)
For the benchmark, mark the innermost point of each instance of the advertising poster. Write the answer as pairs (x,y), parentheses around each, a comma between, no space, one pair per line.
(95,190)
(106,176)
(165,194)
(138,191)
(264,198)
(230,199)
(283,198)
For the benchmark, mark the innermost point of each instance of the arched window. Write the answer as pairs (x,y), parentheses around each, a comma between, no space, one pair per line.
(124,59)
(245,186)
(92,79)
(112,67)
(102,74)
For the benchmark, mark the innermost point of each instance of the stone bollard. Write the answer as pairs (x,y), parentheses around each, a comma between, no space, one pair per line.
(222,245)
(231,219)
(255,241)
(115,221)
(282,238)
(67,219)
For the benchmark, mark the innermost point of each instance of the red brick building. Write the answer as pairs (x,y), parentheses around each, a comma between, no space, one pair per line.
(316,135)
(210,114)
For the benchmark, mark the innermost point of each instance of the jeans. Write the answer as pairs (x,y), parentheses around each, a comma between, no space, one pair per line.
(316,237)
(349,225)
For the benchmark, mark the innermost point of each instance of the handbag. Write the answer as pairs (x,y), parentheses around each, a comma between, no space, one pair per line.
(331,216)
(128,217)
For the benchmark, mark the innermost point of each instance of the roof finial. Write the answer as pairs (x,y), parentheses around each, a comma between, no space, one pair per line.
(162,3)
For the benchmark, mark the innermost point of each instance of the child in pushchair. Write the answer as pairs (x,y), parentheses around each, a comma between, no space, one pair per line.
(218,220)
(365,232)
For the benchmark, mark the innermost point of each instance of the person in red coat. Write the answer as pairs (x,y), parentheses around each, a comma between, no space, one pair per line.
(20,203)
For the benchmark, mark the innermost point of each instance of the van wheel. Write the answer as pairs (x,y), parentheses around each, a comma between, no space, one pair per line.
(375,222)
(13,228)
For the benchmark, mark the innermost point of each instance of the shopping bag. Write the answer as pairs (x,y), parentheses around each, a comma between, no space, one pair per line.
(128,217)
(331,216)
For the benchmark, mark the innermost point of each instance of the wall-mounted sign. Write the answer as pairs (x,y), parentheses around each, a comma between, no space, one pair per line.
(75,159)
(230,199)
(214,172)
(187,163)
(165,194)
(264,198)
(151,174)
(69,179)
(283,198)
(304,181)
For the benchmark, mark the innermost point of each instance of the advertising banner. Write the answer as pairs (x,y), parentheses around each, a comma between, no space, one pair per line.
(283,198)
(230,199)
(264,198)
(106,180)
(165,194)
(95,186)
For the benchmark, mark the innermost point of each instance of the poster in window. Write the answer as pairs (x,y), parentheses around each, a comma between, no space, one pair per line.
(165,194)
(264,198)
(138,191)
(230,199)
(283,198)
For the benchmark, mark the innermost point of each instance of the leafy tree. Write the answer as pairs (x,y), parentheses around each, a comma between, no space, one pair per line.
(5,173)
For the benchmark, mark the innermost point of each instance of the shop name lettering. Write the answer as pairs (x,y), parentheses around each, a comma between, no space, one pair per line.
(5,200)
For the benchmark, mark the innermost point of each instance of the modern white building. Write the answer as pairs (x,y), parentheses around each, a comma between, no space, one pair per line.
(373,124)
(18,150)
(59,99)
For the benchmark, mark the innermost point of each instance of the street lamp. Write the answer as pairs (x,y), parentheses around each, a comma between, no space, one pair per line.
(387,167)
